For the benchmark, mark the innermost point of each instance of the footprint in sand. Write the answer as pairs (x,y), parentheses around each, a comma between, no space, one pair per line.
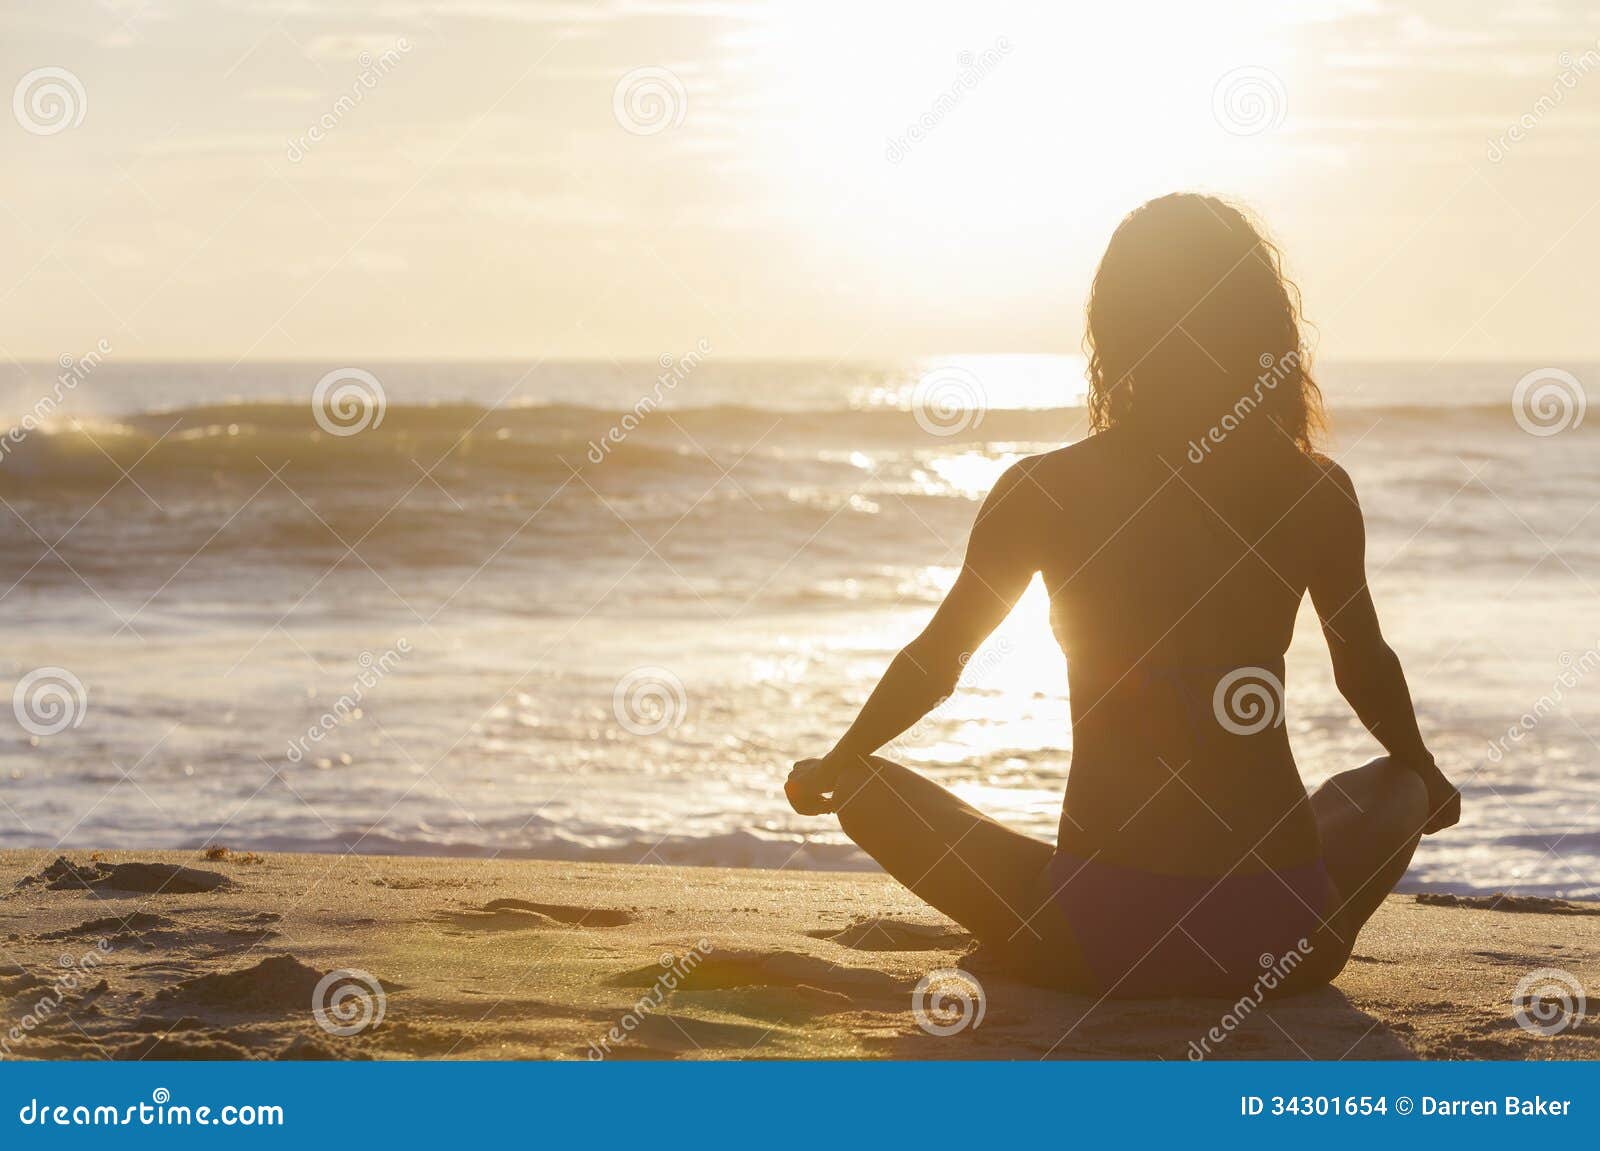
(15,979)
(141,878)
(871,933)
(190,1049)
(116,928)
(521,915)
(149,931)
(280,984)
(671,1037)
(721,969)
(1526,904)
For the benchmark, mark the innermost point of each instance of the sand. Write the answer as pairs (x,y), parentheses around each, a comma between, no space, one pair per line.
(122,955)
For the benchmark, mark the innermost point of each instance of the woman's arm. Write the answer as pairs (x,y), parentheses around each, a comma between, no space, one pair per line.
(1365,667)
(998,565)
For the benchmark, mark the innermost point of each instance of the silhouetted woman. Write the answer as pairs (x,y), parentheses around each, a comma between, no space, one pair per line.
(1176,543)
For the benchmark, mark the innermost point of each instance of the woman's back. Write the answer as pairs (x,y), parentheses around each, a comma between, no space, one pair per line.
(1174,588)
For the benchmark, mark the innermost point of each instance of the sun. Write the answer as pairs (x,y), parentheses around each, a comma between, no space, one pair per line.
(999,139)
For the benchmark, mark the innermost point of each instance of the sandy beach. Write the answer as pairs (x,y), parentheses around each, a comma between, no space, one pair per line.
(177,955)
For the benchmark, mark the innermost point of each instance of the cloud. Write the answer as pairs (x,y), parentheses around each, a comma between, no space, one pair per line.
(345,48)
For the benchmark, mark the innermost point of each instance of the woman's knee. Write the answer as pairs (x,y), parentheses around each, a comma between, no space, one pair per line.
(1382,792)
(861,778)
(1321,961)
(1402,800)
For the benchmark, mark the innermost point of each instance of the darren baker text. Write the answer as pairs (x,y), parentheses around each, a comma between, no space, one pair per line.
(1513,1105)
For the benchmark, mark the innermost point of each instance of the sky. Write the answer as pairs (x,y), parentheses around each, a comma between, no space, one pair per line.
(405,179)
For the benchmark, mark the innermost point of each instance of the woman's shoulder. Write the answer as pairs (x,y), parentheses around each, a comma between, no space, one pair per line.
(1329,499)
(1327,471)
(1076,456)
(1043,472)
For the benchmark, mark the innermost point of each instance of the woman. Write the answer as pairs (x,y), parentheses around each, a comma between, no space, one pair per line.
(1176,543)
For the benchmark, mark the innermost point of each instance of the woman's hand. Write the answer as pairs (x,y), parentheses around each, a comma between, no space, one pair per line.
(1444,801)
(810,785)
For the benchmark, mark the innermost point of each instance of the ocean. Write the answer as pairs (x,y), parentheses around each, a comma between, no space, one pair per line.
(594,611)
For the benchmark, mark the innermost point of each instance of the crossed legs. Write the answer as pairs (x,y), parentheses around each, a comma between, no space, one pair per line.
(988,878)
(1371,820)
(979,872)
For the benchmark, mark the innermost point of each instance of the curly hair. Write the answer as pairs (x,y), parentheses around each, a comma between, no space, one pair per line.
(1194,330)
